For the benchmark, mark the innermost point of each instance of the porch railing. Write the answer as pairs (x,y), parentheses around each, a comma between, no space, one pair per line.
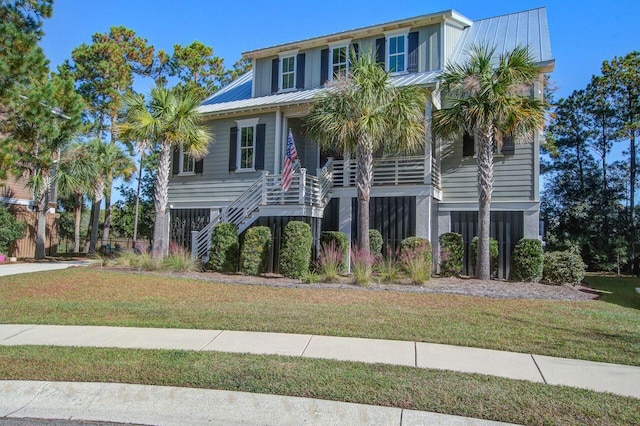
(389,171)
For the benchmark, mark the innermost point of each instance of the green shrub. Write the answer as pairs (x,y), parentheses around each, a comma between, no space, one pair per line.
(341,241)
(225,248)
(295,253)
(493,254)
(388,269)
(375,242)
(415,255)
(254,255)
(451,254)
(562,267)
(310,277)
(10,229)
(527,260)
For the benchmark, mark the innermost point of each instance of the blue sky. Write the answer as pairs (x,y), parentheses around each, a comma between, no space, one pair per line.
(583,33)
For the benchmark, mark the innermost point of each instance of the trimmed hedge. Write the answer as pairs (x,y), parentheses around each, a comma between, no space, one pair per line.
(375,242)
(563,267)
(225,248)
(527,260)
(295,253)
(342,243)
(493,254)
(254,255)
(451,254)
(418,246)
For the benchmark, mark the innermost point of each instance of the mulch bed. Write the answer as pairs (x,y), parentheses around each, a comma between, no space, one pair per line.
(498,289)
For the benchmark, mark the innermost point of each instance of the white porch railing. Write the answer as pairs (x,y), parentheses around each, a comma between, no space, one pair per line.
(306,190)
(389,171)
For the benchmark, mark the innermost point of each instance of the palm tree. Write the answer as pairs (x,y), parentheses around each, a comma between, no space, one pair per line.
(170,121)
(75,179)
(362,112)
(487,97)
(116,164)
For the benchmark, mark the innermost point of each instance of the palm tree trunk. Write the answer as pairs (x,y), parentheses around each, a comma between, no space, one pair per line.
(107,210)
(95,212)
(160,200)
(364,177)
(76,227)
(485,188)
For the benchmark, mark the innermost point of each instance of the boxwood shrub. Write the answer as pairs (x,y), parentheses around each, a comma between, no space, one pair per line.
(375,242)
(254,255)
(451,254)
(562,267)
(527,260)
(493,254)
(225,248)
(341,241)
(295,253)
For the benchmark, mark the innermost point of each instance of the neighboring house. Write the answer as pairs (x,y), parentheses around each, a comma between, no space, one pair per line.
(18,198)
(424,195)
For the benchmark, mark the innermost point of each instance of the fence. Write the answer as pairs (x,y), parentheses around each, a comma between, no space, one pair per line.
(65,245)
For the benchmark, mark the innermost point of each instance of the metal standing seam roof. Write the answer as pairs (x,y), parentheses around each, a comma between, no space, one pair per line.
(525,29)
(236,96)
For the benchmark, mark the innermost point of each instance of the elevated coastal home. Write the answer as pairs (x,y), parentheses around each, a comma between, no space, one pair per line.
(423,195)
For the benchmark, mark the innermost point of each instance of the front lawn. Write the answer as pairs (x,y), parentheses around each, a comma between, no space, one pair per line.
(446,392)
(595,330)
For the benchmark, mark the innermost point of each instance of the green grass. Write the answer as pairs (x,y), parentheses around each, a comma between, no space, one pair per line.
(405,387)
(617,290)
(607,331)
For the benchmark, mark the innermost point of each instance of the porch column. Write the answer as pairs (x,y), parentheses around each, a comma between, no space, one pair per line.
(277,143)
(423,216)
(531,224)
(344,224)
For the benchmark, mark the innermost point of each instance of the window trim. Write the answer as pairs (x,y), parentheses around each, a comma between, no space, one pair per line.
(294,56)
(243,124)
(334,46)
(181,164)
(387,54)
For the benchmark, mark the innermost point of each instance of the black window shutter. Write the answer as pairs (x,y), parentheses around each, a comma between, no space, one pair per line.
(508,146)
(380,52)
(199,166)
(412,63)
(468,145)
(176,161)
(233,146)
(275,74)
(324,66)
(355,51)
(260,137)
(300,59)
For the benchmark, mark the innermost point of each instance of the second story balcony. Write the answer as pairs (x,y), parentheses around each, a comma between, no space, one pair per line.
(392,171)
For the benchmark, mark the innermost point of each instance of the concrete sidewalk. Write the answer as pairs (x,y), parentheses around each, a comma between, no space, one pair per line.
(161,405)
(23,268)
(602,377)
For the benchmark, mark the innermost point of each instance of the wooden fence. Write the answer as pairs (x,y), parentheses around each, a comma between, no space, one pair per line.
(26,246)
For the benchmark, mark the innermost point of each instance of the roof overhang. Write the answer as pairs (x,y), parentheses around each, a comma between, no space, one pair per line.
(359,33)
(547,66)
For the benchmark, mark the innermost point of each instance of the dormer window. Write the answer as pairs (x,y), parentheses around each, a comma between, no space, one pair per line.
(339,61)
(288,72)
(397,53)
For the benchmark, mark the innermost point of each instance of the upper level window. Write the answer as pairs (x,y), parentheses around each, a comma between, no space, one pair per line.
(246,146)
(288,73)
(397,56)
(187,163)
(339,61)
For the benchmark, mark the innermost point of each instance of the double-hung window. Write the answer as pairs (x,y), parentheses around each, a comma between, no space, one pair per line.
(187,163)
(288,72)
(246,146)
(397,53)
(339,61)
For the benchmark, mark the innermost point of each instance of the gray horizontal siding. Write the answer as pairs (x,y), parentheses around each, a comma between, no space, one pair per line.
(513,175)
(217,183)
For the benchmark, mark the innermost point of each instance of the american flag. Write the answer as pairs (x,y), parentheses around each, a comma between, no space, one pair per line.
(290,158)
